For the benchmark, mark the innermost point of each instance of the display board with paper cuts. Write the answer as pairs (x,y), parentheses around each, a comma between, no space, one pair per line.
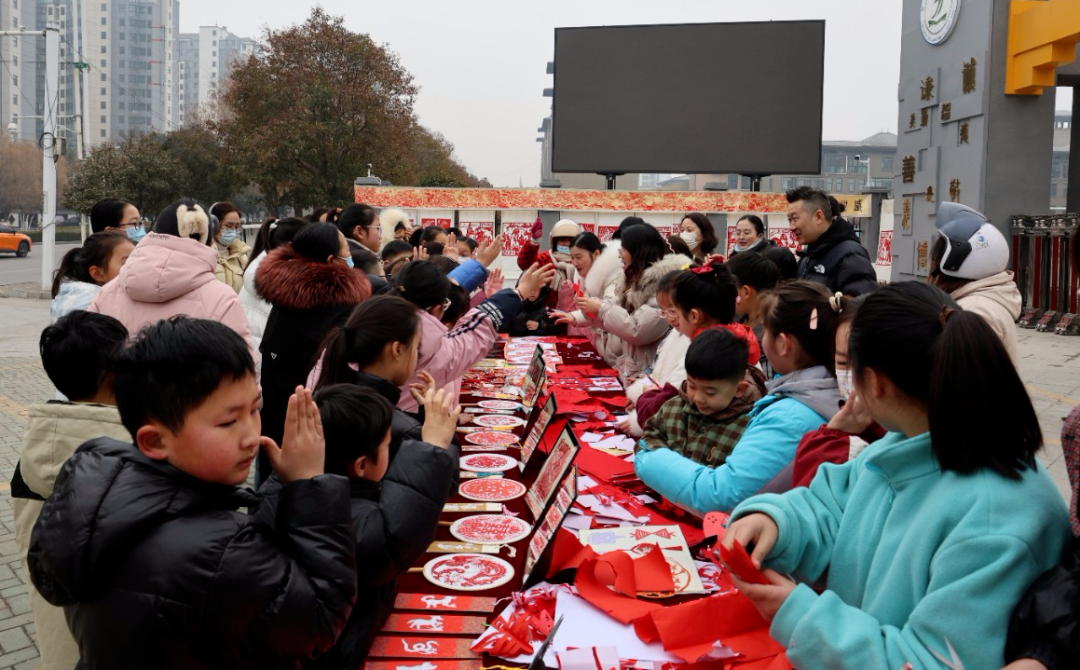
(553,520)
(638,539)
(481,231)
(551,474)
(784,237)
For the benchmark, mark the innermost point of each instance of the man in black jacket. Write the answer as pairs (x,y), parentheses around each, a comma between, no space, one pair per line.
(833,255)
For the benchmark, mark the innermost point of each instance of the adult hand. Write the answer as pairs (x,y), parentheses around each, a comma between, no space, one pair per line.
(420,253)
(755,529)
(440,417)
(767,598)
(589,305)
(302,453)
(419,391)
(853,418)
(562,318)
(494,283)
(487,253)
(451,250)
(534,279)
(537,230)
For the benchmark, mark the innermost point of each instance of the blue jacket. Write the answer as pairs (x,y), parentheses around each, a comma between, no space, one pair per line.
(469,275)
(925,560)
(767,447)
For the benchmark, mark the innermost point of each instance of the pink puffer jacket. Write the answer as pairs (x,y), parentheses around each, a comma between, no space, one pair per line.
(168,276)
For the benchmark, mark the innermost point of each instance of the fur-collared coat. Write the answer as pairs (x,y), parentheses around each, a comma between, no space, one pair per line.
(632,316)
(309,298)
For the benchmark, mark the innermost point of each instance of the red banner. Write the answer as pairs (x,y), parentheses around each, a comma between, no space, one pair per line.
(570,199)
(784,237)
(884,248)
(515,236)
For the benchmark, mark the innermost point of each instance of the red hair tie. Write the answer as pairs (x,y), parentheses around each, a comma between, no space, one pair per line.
(745,334)
(710,267)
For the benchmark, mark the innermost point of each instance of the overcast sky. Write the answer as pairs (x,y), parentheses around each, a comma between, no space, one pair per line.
(480,64)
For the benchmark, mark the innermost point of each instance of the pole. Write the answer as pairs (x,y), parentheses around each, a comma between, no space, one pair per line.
(78,73)
(48,157)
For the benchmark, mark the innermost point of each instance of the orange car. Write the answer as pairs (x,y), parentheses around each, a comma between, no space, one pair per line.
(14,241)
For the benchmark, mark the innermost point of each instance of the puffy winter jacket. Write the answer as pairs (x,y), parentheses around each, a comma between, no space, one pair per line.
(997,300)
(796,404)
(168,276)
(157,569)
(256,309)
(839,261)
(309,299)
(448,354)
(1046,624)
(72,297)
(633,317)
(761,246)
(603,274)
(232,261)
(404,426)
(669,368)
(53,434)
(394,521)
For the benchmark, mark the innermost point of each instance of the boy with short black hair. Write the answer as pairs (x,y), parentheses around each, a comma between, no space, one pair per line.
(705,421)
(395,503)
(79,354)
(145,548)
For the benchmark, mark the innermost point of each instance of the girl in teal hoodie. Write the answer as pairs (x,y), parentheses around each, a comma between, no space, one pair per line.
(929,538)
(800,326)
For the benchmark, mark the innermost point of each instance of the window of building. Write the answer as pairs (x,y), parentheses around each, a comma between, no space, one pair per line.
(103,77)
(103,132)
(104,21)
(828,184)
(104,105)
(851,183)
(887,164)
(104,7)
(103,119)
(104,35)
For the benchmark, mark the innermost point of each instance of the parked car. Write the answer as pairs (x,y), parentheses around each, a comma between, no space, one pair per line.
(14,241)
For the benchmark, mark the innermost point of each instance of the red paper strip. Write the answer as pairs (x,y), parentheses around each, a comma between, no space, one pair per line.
(459,664)
(568,552)
(616,569)
(689,630)
(440,603)
(739,561)
(421,647)
(652,572)
(434,623)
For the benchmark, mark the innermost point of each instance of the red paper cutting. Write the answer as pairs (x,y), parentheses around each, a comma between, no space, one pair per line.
(418,646)
(690,630)
(603,467)
(568,553)
(615,569)
(739,561)
(418,622)
(512,639)
(652,572)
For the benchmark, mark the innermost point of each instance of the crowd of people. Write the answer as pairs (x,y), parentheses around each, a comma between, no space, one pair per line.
(849,429)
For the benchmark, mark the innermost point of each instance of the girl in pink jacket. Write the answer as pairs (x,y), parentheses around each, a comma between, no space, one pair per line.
(171,273)
(448,354)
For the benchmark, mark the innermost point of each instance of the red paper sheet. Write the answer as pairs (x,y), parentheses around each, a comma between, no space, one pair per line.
(429,665)
(690,630)
(615,569)
(739,562)
(603,467)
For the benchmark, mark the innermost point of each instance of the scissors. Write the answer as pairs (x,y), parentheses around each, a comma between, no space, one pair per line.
(538,660)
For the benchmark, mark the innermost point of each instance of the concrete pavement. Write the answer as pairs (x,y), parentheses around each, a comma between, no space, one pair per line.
(14,270)
(1049,365)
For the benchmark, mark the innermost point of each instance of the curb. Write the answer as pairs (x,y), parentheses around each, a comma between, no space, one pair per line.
(25,292)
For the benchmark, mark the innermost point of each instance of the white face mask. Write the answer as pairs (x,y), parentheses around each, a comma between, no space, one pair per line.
(691,239)
(846,381)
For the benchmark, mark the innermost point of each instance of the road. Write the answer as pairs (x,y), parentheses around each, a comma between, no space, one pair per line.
(14,270)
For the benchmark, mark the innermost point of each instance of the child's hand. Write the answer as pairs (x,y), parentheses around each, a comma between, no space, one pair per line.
(420,391)
(440,417)
(755,529)
(534,279)
(420,253)
(302,454)
(532,325)
(487,253)
(853,418)
(767,598)
(494,283)
(623,426)
(451,250)
(562,318)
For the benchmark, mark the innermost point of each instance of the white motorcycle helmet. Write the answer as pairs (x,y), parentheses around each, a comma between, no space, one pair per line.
(974,248)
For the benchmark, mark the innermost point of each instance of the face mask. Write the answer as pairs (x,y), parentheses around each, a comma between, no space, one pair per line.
(228,236)
(690,239)
(846,381)
(349,261)
(561,249)
(136,233)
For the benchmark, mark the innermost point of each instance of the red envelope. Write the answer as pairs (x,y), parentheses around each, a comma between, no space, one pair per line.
(739,562)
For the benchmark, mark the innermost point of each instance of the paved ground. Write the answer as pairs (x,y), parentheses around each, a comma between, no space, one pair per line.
(1050,365)
(14,270)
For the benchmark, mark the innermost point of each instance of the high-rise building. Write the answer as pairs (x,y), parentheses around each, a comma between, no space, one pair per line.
(18,59)
(219,52)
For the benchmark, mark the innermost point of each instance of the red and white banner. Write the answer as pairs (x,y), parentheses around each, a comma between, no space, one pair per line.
(515,236)
(481,231)
(884,248)
(784,237)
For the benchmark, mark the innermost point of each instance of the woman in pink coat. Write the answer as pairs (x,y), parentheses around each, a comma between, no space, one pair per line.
(171,273)
(448,354)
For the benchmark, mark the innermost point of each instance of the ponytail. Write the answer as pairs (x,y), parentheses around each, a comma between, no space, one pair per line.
(980,415)
(95,252)
(806,312)
(371,326)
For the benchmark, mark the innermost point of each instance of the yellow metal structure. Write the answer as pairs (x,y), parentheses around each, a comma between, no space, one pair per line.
(1042,36)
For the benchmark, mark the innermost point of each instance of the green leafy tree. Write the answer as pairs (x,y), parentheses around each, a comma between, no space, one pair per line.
(139,169)
(212,175)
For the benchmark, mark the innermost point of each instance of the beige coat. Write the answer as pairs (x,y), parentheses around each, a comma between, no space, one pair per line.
(55,431)
(997,300)
(231,265)
(633,317)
